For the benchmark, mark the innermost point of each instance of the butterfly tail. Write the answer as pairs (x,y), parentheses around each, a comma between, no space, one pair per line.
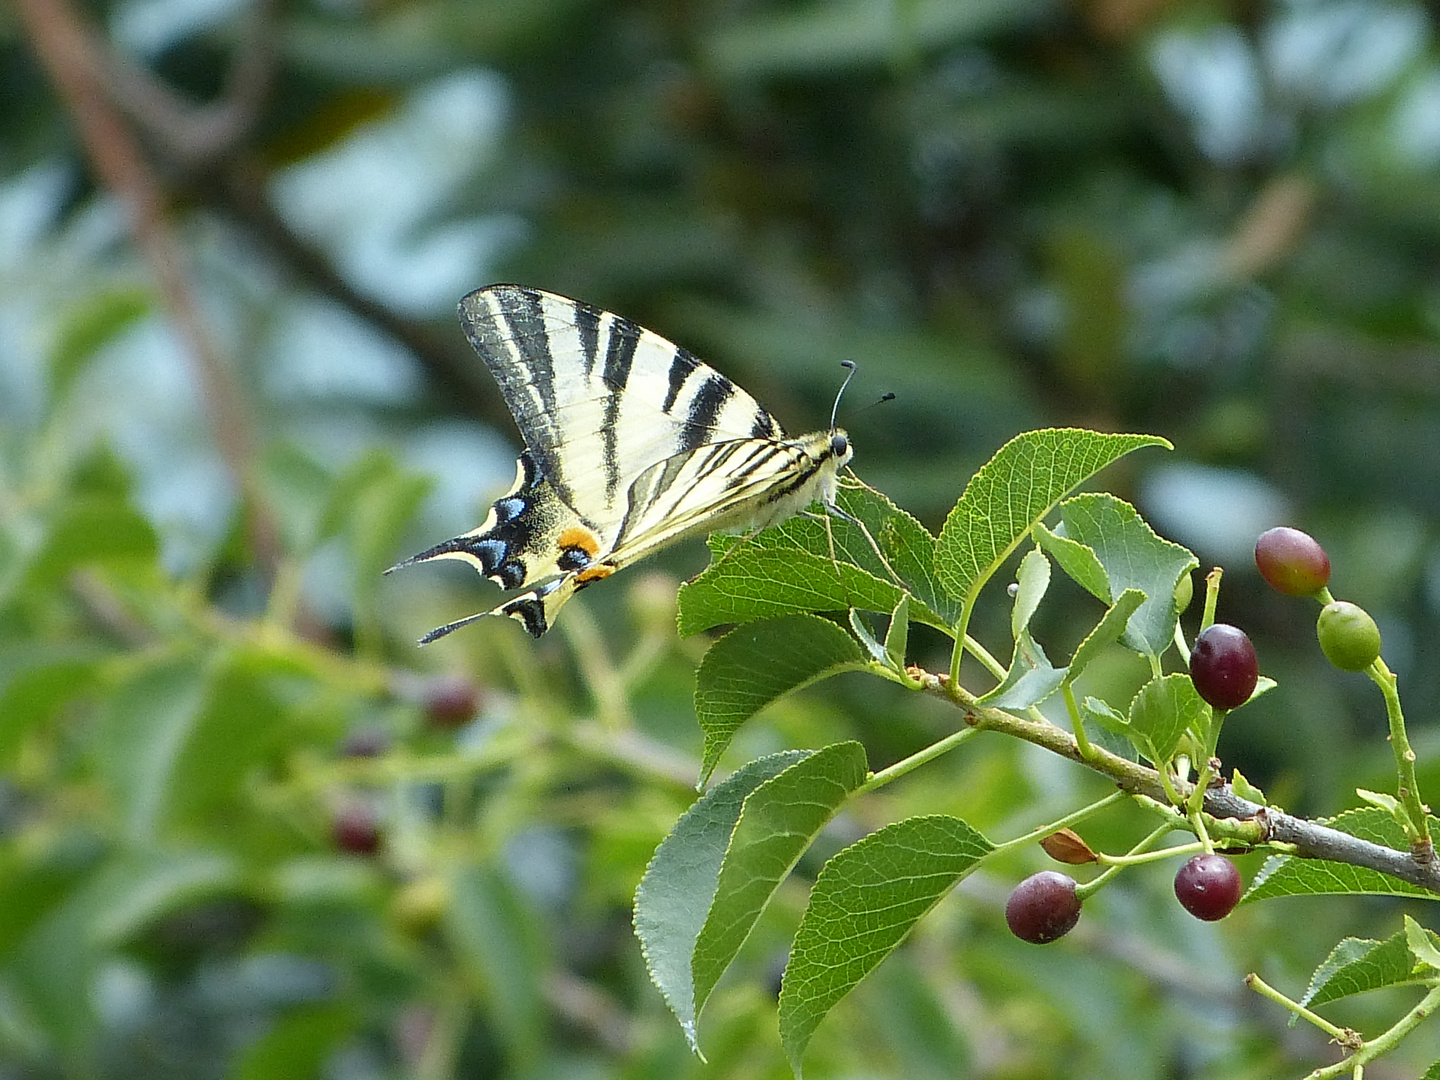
(535,610)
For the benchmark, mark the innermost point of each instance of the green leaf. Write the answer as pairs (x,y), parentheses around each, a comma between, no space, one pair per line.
(897,634)
(142,732)
(94,530)
(182,734)
(148,886)
(37,681)
(1078,561)
(1422,945)
(1162,711)
(97,317)
(1012,492)
(867,639)
(1284,875)
(1030,680)
(779,821)
(1245,789)
(500,953)
(1133,558)
(1107,630)
(761,576)
(864,903)
(1432,1073)
(787,568)
(679,884)
(1031,581)
(1356,965)
(298,1045)
(759,662)
(1108,728)
(831,38)
(907,547)
(1106,715)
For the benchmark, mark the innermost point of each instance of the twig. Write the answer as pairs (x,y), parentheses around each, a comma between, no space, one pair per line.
(1235,818)
(199,135)
(67,51)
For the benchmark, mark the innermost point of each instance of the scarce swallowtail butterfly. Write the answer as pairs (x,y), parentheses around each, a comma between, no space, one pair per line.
(631,444)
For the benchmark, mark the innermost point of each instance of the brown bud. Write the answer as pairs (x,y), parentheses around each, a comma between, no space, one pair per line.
(1066,846)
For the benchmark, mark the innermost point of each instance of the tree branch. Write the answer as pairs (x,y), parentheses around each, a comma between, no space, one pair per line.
(1309,839)
(67,50)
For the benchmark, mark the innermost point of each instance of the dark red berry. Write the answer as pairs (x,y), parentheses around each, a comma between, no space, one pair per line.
(1223,666)
(451,700)
(1292,562)
(365,742)
(1348,635)
(1208,887)
(1043,908)
(356,830)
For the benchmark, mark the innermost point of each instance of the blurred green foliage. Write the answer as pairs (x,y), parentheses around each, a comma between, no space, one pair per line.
(1215,222)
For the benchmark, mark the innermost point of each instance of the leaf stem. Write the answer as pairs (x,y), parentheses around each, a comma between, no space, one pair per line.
(962,637)
(1077,723)
(1212,596)
(1115,865)
(1344,1036)
(914,761)
(1418,830)
(1072,818)
(1139,858)
(992,665)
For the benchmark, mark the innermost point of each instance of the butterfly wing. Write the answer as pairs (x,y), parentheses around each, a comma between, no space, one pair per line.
(631,444)
(599,399)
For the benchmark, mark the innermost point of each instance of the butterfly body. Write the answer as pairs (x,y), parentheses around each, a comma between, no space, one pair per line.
(631,444)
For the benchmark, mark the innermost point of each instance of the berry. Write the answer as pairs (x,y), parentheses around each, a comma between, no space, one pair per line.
(450,701)
(1348,636)
(355,830)
(1043,908)
(1292,562)
(1223,666)
(365,742)
(1208,887)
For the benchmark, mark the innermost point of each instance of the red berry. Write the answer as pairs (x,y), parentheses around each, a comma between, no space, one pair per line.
(1292,562)
(1223,666)
(451,700)
(1208,886)
(365,742)
(356,830)
(1043,908)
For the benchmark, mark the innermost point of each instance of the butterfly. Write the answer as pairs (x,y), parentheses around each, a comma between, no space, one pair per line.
(631,444)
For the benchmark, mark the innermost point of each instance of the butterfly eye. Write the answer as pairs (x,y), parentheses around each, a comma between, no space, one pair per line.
(839,446)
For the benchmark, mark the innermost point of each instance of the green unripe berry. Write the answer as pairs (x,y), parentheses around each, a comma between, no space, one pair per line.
(1348,636)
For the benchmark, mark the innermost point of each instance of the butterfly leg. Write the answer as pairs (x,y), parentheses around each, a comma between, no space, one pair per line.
(832,510)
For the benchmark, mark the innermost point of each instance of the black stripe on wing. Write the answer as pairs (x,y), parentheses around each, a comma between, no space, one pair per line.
(681,369)
(704,412)
(619,355)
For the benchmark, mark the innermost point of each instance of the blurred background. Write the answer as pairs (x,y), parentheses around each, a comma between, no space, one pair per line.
(248,830)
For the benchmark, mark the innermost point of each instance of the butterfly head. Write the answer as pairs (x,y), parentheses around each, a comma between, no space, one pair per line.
(840,448)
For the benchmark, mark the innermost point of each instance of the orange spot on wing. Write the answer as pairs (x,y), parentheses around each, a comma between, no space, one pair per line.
(577,536)
(593,573)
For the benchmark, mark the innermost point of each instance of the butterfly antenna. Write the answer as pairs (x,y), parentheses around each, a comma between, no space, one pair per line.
(835,409)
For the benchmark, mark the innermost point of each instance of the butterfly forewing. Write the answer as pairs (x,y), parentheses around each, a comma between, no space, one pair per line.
(631,444)
(598,399)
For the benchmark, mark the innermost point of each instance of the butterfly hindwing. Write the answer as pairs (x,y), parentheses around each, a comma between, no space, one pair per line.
(631,444)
